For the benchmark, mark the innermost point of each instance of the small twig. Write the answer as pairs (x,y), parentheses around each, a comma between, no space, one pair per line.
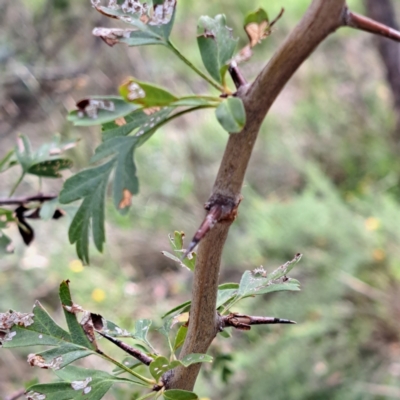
(277,18)
(244,322)
(30,199)
(238,79)
(145,359)
(16,395)
(366,24)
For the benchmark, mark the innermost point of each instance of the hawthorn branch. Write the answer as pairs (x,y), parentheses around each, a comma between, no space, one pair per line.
(322,18)
(25,200)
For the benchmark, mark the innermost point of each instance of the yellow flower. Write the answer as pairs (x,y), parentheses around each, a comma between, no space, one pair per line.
(76,266)
(378,255)
(98,295)
(372,224)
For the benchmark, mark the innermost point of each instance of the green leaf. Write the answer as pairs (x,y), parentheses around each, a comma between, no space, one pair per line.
(61,356)
(195,358)
(180,337)
(255,283)
(6,217)
(216,45)
(45,161)
(257,17)
(181,308)
(125,182)
(225,295)
(7,161)
(145,94)
(78,335)
(48,209)
(90,185)
(143,121)
(285,268)
(80,383)
(98,110)
(231,115)
(176,394)
(50,168)
(130,37)
(159,366)
(176,244)
(142,328)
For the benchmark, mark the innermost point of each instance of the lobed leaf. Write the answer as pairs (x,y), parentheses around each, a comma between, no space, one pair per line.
(90,185)
(78,335)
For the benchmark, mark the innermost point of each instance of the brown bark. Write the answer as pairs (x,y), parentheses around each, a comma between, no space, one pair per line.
(383,11)
(322,18)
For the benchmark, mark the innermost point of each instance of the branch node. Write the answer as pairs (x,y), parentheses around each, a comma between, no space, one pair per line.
(220,208)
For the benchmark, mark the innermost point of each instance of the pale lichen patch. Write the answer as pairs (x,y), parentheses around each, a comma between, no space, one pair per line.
(79,385)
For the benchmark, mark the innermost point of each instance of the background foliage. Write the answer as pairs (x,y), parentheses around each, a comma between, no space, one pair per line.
(323,181)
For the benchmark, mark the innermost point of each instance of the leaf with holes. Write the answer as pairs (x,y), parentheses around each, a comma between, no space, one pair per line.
(89,185)
(145,94)
(98,110)
(157,20)
(130,37)
(216,45)
(231,115)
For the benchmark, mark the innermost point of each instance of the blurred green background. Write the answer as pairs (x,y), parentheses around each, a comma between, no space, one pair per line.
(323,181)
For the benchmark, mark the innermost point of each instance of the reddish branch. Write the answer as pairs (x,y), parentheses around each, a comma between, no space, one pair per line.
(25,200)
(132,351)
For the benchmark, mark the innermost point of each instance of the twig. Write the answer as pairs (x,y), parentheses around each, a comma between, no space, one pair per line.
(238,79)
(16,395)
(244,322)
(366,24)
(144,358)
(24,200)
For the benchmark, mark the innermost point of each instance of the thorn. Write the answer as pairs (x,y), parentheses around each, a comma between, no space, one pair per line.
(212,217)
(284,321)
